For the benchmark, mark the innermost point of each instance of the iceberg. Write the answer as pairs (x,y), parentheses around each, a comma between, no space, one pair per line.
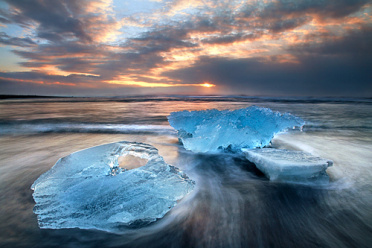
(108,187)
(213,130)
(288,165)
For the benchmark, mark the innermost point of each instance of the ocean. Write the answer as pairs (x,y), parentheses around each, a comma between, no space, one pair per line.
(232,205)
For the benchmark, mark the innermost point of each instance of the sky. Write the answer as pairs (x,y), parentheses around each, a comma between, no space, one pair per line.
(187,47)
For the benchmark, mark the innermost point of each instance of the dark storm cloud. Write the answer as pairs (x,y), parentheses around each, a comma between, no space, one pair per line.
(163,39)
(143,53)
(313,76)
(4,20)
(46,78)
(231,38)
(357,43)
(32,64)
(15,41)
(122,63)
(67,56)
(286,24)
(68,48)
(55,18)
(284,15)
(323,9)
(51,36)
(279,16)
(74,64)
(335,67)
(28,55)
(12,16)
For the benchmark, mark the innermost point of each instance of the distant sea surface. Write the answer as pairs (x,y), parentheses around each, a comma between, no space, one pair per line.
(233,204)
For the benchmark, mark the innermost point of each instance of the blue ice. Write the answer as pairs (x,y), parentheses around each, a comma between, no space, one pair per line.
(289,165)
(108,187)
(213,130)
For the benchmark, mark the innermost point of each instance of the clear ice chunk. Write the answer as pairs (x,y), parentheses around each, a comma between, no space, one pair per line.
(108,187)
(288,165)
(212,130)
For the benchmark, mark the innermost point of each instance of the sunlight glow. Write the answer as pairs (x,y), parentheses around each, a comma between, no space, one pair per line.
(208,85)
(131,82)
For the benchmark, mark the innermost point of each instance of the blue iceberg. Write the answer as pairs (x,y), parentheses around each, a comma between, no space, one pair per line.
(213,130)
(108,187)
(288,165)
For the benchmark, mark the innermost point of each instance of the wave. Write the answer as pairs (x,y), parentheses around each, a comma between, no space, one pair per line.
(335,127)
(252,99)
(84,128)
(33,127)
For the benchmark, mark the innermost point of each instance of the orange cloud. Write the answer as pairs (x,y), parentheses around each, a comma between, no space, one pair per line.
(128,81)
(36,81)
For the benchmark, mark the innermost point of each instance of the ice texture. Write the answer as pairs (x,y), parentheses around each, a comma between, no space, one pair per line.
(288,165)
(212,130)
(97,188)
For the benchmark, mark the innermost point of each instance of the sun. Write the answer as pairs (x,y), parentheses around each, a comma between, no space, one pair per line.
(208,85)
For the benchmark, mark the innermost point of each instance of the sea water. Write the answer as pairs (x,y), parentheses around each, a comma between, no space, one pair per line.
(232,205)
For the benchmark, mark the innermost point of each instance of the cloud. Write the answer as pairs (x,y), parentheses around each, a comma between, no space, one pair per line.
(65,57)
(334,67)
(42,78)
(313,76)
(54,18)
(320,8)
(257,47)
(27,88)
(62,20)
(15,41)
(355,43)
(4,20)
(230,38)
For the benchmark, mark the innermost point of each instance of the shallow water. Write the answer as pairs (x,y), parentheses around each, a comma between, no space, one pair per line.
(233,204)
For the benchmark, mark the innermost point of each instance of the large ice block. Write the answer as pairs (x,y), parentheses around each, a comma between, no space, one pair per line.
(288,165)
(108,187)
(212,130)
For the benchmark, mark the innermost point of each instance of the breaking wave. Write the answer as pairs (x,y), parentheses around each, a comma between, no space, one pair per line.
(31,128)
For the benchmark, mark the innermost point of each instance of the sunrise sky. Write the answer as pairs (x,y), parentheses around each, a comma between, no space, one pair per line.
(253,47)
